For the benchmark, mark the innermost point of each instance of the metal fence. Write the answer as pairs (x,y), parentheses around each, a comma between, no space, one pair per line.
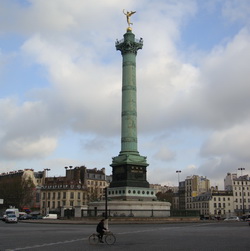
(139,213)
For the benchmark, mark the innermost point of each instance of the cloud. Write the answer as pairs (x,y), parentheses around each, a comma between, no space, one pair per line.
(183,108)
(231,142)
(21,148)
(237,10)
(164,154)
(220,97)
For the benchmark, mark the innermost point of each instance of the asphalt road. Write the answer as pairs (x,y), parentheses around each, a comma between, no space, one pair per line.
(205,236)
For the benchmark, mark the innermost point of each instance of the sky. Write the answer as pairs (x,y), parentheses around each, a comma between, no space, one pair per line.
(61,78)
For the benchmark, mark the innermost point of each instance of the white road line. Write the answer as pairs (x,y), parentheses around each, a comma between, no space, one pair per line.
(47,244)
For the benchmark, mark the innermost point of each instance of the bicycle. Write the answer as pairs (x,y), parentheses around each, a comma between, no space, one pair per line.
(108,236)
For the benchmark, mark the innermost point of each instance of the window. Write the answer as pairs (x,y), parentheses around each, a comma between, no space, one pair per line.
(58,204)
(71,195)
(37,197)
(64,195)
(59,195)
(215,205)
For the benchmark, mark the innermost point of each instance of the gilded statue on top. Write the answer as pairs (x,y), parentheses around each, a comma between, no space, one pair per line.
(128,15)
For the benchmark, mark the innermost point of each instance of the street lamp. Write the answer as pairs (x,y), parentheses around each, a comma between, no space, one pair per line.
(178,172)
(243,204)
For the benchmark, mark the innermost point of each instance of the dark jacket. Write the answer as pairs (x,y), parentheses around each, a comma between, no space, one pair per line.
(100,227)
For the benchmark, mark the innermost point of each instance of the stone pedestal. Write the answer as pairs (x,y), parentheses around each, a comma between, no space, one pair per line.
(131,208)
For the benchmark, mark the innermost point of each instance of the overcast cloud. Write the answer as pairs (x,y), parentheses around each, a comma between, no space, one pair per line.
(60,82)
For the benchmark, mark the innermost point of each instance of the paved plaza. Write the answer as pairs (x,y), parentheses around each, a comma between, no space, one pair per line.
(172,236)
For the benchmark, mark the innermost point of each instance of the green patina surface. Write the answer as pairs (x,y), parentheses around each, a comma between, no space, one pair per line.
(129,155)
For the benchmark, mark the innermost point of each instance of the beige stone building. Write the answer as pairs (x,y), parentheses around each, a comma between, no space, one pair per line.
(96,182)
(240,186)
(69,195)
(215,203)
(194,186)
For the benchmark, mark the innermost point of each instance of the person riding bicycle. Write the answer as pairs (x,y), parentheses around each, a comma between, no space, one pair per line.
(100,229)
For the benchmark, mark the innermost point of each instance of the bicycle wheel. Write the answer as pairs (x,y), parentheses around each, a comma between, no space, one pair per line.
(93,239)
(110,239)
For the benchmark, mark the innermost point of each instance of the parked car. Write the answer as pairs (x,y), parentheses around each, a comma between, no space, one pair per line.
(37,217)
(50,217)
(11,218)
(232,218)
(25,217)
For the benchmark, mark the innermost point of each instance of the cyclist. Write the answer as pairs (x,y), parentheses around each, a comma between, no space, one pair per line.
(100,229)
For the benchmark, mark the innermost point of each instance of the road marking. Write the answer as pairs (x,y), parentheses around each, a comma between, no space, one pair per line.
(47,244)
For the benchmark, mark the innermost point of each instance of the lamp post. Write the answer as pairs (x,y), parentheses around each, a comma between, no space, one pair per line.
(243,204)
(178,172)
(46,171)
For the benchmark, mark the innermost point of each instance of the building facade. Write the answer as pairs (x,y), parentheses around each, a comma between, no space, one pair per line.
(214,204)
(96,182)
(240,186)
(194,186)
(63,195)
(26,174)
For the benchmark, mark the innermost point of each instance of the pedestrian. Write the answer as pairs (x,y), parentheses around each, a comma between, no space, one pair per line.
(100,229)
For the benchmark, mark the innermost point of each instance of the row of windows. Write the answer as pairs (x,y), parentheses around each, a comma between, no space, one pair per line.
(240,200)
(96,176)
(97,183)
(221,212)
(240,183)
(240,188)
(240,194)
(59,195)
(223,205)
(96,190)
(58,204)
(197,205)
(223,199)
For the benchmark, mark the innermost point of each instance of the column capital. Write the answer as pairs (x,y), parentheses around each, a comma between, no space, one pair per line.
(129,44)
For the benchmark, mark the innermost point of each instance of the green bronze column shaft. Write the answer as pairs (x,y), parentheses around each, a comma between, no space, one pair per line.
(128,47)
(129,167)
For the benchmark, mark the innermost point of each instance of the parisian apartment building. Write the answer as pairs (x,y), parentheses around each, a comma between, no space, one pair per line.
(195,193)
(79,186)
